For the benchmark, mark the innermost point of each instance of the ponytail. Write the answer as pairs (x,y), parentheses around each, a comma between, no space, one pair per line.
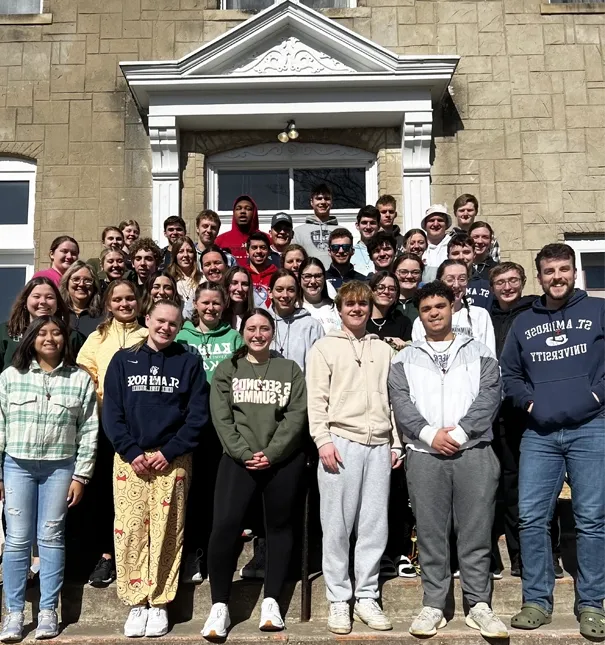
(466,305)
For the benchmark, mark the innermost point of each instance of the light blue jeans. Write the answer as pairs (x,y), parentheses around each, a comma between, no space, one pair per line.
(35,489)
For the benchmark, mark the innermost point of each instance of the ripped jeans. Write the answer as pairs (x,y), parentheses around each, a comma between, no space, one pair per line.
(35,492)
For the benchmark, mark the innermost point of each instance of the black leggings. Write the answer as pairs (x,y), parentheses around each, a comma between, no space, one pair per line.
(235,488)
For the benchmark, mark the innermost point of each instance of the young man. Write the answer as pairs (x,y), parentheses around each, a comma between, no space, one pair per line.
(261,267)
(382,248)
(482,235)
(350,422)
(387,207)
(466,209)
(314,234)
(207,225)
(146,256)
(553,366)
(478,290)
(435,223)
(445,392)
(174,229)
(340,271)
(282,232)
(368,223)
(243,224)
(111,238)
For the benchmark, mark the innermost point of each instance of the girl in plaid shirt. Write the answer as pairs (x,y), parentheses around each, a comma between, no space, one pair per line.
(48,440)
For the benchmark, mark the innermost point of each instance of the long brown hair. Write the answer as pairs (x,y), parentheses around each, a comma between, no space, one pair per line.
(26,351)
(175,270)
(147,299)
(243,350)
(19,318)
(104,327)
(228,313)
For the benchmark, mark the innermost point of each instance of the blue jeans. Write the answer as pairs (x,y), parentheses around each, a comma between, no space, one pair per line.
(545,457)
(35,489)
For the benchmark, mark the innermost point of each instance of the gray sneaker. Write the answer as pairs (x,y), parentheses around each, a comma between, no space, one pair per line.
(48,624)
(482,617)
(428,621)
(12,627)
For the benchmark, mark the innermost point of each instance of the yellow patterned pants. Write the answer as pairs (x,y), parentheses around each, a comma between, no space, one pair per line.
(148,530)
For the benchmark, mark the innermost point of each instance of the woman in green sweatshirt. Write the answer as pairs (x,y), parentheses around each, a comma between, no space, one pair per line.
(258,403)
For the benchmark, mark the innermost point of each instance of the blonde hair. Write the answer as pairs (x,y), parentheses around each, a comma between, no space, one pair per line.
(355,290)
(104,327)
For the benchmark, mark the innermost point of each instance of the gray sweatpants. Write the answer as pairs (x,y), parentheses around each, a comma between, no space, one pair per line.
(463,489)
(354,499)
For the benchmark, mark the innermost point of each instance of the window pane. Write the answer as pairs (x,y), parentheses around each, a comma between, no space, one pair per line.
(326,4)
(12,280)
(348,186)
(248,5)
(593,265)
(14,197)
(19,6)
(268,188)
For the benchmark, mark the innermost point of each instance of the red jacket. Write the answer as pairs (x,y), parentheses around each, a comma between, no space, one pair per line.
(261,282)
(234,240)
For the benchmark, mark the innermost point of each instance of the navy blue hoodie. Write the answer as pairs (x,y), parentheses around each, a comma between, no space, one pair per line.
(154,400)
(557,360)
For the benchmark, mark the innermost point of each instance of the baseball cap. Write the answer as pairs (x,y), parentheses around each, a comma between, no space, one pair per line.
(280,218)
(436,209)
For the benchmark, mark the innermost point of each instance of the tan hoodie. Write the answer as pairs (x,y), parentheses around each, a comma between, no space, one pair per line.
(347,390)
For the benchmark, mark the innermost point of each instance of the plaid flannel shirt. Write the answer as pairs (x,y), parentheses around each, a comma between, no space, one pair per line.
(49,416)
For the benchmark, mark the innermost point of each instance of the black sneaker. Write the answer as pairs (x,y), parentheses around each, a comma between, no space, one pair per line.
(104,573)
(559,573)
(515,566)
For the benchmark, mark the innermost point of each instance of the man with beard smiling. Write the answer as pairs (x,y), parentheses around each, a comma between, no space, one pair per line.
(553,366)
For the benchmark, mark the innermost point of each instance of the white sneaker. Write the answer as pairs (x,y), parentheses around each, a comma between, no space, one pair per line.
(218,622)
(482,617)
(190,571)
(368,611)
(339,620)
(270,616)
(428,621)
(136,622)
(405,568)
(157,621)
(12,627)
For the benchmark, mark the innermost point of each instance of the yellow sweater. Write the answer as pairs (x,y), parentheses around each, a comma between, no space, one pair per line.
(97,352)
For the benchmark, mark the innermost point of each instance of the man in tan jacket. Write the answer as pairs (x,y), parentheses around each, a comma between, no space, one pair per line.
(350,422)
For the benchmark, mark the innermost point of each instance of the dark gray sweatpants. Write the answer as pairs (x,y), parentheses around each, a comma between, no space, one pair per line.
(461,489)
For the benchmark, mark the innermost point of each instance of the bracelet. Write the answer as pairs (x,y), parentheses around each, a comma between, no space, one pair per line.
(80,480)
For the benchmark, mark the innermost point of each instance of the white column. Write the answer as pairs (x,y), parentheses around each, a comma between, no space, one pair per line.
(417,134)
(165,172)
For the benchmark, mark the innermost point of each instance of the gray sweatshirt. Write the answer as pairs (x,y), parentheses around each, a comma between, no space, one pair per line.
(313,236)
(295,335)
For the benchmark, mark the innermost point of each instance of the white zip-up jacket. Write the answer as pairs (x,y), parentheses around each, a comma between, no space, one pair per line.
(466,396)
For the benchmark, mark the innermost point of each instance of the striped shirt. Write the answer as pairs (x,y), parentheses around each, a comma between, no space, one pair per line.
(49,416)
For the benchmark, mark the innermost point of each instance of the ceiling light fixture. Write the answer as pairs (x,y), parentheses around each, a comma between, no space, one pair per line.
(289,133)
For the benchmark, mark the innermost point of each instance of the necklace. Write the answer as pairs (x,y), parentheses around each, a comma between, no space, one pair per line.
(278,338)
(46,385)
(441,351)
(381,325)
(260,379)
(440,359)
(358,357)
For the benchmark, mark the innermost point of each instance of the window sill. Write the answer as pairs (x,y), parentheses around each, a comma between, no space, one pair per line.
(235,14)
(571,8)
(26,19)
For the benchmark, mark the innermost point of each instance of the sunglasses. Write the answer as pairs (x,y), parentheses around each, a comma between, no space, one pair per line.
(335,248)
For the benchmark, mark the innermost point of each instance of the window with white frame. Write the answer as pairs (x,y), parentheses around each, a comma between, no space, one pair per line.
(17,196)
(590,264)
(280,177)
(259,5)
(9,7)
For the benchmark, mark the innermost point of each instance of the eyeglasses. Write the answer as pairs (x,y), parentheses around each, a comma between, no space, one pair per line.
(416,273)
(87,282)
(307,277)
(462,280)
(514,282)
(344,247)
(381,288)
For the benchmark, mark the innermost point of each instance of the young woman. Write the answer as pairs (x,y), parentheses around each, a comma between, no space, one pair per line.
(48,437)
(64,251)
(315,299)
(467,319)
(120,329)
(240,295)
(157,379)
(158,286)
(408,268)
(184,269)
(213,263)
(292,257)
(213,341)
(80,292)
(386,321)
(295,329)
(114,266)
(39,297)
(259,408)
(131,231)
(415,241)
(482,235)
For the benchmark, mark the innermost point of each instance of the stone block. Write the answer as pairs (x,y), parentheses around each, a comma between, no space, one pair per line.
(29,132)
(132,10)
(595,147)
(524,39)
(138,29)
(531,105)
(111,26)
(512,139)
(596,95)
(92,43)
(135,137)
(468,40)
(51,111)
(479,144)
(594,62)
(36,61)
(89,23)
(564,58)
(58,221)
(19,94)
(540,83)
(510,236)
(25,115)
(508,170)
(11,53)
(554,34)
(417,36)
(67,78)
(446,38)
(541,167)
(491,43)
(125,46)
(80,120)
(535,214)
(163,40)
(544,142)
(72,53)
(111,176)
(500,70)
(59,187)
(575,88)
(474,65)
(108,126)
(101,72)
(579,201)
(580,116)
(56,145)
(8,123)
(489,93)
(536,125)
(190,31)
(535,236)
(456,12)
(86,230)
(108,102)
(88,185)
(96,153)
(425,12)
(446,159)
(587,34)
(519,74)
(489,17)
(384,26)
(521,192)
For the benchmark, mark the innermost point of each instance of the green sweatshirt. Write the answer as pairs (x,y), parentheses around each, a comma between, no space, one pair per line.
(212,346)
(259,407)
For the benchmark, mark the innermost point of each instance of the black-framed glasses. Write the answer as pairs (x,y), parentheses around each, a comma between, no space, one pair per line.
(383,288)
(335,248)
(307,277)
(415,273)
(87,282)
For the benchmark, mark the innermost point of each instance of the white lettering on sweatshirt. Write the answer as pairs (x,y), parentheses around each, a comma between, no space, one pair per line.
(267,391)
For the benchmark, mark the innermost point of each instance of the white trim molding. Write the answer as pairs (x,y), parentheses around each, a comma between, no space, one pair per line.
(19,237)
(417,136)
(587,244)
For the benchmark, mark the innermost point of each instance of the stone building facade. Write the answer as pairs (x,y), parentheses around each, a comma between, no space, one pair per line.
(518,120)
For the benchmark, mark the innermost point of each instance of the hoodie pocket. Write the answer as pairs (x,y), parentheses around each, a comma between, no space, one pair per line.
(567,402)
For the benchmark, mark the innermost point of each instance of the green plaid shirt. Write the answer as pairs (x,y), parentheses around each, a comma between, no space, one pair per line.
(49,416)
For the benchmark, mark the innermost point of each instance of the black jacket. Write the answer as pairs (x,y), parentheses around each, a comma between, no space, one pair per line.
(503,320)
(482,269)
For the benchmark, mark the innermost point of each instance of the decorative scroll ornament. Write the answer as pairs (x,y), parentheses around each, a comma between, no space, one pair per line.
(291,56)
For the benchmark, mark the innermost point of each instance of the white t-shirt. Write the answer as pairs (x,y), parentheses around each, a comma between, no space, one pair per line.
(326,313)
(478,326)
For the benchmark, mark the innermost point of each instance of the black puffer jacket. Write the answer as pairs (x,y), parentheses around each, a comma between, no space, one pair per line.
(502,320)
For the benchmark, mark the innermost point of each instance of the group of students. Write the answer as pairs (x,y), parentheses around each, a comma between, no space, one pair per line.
(200,372)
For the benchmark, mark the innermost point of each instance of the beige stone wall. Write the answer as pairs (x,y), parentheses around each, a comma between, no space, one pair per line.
(529,95)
